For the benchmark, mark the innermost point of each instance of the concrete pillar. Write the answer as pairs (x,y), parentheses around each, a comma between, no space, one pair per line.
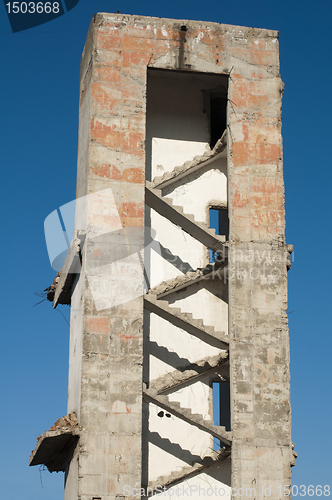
(105,366)
(259,347)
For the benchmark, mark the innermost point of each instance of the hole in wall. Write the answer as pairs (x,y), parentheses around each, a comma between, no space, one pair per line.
(218,121)
(220,223)
(221,408)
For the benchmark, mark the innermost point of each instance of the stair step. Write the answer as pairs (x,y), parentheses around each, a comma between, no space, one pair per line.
(190,373)
(185,322)
(192,166)
(197,230)
(185,473)
(211,271)
(186,415)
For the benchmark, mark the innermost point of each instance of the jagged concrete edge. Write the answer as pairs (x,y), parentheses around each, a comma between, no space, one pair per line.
(69,269)
(188,167)
(181,475)
(179,376)
(187,279)
(74,431)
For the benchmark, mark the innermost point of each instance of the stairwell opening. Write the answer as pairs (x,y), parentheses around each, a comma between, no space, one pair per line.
(183,119)
(186,112)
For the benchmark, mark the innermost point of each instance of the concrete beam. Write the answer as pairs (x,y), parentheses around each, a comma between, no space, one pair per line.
(190,373)
(211,271)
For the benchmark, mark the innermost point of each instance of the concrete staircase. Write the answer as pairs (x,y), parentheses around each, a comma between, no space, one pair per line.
(186,321)
(192,166)
(214,365)
(185,473)
(186,415)
(198,230)
(211,271)
(175,379)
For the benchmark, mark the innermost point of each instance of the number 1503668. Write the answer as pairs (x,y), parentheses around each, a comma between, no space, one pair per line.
(32,7)
(304,490)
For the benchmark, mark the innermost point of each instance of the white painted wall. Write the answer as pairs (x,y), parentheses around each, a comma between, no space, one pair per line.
(178,130)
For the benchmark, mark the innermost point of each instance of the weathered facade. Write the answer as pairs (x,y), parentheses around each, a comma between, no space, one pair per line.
(179,120)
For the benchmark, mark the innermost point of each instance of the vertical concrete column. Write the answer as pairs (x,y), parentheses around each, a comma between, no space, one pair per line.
(105,376)
(259,347)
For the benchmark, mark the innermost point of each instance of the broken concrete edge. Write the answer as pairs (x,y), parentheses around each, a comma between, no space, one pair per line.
(290,250)
(191,166)
(35,455)
(211,271)
(52,445)
(294,454)
(183,374)
(222,28)
(51,289)
(71,268)
(166,482)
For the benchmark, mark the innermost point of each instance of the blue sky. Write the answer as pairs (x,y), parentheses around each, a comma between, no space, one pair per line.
(39,121)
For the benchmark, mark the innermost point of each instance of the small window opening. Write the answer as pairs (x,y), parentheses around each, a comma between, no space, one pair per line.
(220,223)
(218,122)
(221,408)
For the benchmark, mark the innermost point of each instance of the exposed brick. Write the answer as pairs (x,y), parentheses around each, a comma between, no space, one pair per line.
(257,101)
(133,175)
(131,59)
(104,134)
(240,192)
(97,324)
(267,217)
(132,209)
(108,41)
(133,142)
(107,75)
(262,57)
(105,100)
(106,171)
(239,92)
(136,44)
(266,185)
(240,152)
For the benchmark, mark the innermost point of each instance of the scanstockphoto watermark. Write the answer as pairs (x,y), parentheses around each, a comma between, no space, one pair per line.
(181,490)
(266,491)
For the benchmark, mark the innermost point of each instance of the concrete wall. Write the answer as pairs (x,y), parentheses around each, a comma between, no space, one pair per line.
(106,353)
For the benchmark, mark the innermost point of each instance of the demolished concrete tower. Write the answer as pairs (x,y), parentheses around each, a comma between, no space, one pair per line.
(179,351)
